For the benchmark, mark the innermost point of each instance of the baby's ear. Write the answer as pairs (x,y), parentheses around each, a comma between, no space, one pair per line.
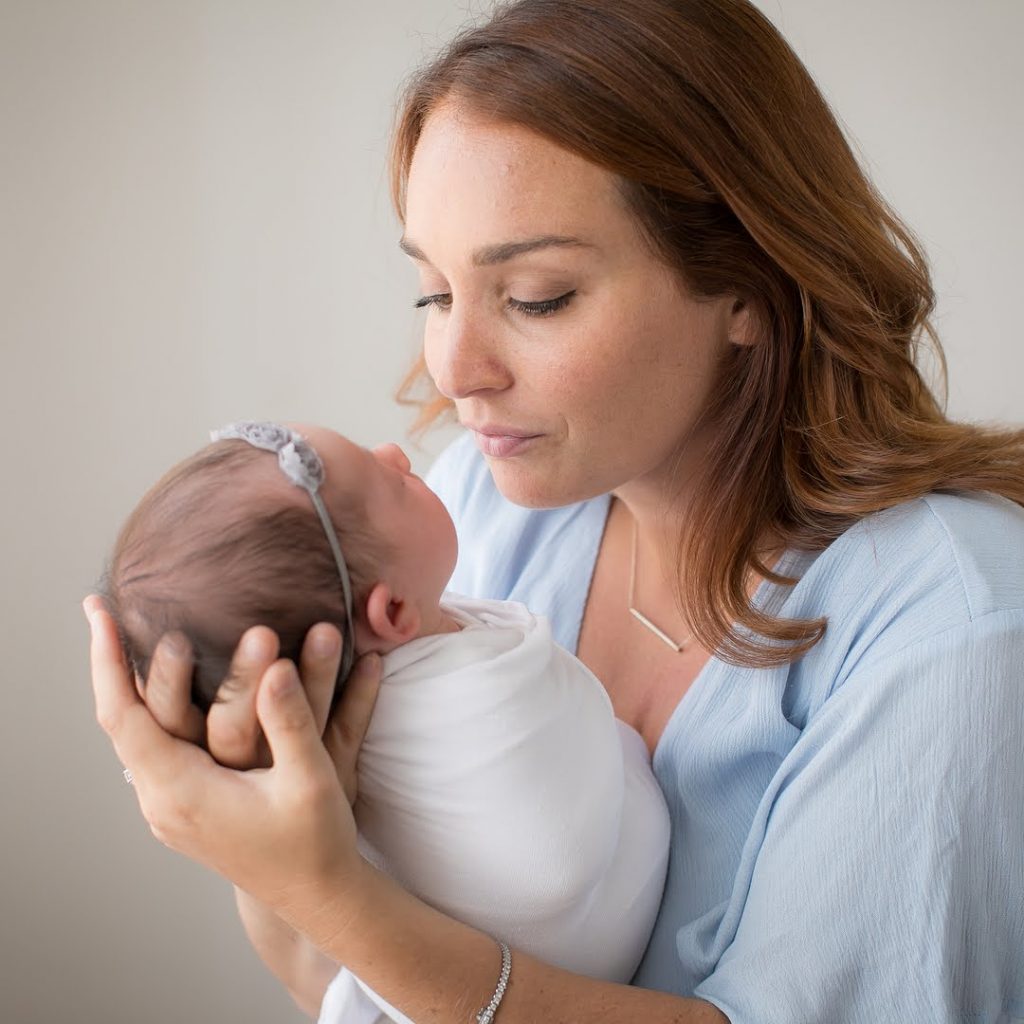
(393,620)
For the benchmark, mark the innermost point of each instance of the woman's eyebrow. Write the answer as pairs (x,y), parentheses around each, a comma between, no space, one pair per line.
(489,255)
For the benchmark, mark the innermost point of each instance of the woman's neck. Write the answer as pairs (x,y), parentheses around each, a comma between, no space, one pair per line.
(657,519)
(657,516)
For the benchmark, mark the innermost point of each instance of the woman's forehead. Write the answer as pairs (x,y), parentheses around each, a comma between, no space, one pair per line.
(501,177)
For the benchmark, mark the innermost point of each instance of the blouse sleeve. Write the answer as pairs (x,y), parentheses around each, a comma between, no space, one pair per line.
(889,881)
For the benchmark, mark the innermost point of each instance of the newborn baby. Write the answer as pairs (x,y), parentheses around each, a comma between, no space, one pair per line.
(494,781)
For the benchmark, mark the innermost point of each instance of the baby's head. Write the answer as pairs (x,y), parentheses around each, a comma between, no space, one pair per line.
(226,540)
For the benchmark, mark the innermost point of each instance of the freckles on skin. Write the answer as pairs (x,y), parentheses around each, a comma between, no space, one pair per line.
(635,370)
(494,184)
(627,390)
(617,379)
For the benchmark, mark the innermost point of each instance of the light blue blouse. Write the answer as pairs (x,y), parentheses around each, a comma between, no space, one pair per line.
(847,830)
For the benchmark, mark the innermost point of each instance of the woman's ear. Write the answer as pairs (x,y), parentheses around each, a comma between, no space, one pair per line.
(746,325)
(392,620)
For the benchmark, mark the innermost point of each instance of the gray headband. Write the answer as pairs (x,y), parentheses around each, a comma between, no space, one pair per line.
(301,464)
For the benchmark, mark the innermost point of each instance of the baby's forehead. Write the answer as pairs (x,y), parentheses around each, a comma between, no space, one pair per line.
(346,464)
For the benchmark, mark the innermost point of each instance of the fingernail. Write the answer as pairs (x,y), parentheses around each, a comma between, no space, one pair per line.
(286,680)
(324,643)
(252,646)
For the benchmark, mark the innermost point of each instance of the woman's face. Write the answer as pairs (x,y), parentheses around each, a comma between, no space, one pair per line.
(548,316)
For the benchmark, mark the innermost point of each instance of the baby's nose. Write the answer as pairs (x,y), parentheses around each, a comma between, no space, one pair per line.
(392,455)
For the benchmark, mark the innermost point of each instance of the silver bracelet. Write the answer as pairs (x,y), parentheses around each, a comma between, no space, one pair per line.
(486,1015)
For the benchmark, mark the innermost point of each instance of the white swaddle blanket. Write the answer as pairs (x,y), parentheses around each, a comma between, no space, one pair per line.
(496,784)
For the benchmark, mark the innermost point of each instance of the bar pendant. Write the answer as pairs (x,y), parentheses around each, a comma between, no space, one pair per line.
(664,637)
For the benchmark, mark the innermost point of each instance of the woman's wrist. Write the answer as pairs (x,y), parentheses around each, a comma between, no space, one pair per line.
(332,912)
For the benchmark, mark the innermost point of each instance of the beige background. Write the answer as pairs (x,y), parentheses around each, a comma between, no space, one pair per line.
(194,227)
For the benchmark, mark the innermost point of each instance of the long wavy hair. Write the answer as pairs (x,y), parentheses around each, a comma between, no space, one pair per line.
(741,179)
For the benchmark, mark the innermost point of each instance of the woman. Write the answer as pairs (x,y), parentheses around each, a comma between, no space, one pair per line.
(680,326)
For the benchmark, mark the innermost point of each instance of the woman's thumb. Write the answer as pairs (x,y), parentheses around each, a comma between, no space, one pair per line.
(287,719)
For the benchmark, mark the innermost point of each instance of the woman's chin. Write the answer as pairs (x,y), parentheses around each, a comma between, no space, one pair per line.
(532,489)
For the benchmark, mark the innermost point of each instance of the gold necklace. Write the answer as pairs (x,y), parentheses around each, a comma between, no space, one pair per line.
(638,615)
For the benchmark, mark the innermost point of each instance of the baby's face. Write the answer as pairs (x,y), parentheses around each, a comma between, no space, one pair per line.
(400,508)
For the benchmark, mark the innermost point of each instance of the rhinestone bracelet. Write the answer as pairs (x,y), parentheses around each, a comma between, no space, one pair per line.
(486,1015)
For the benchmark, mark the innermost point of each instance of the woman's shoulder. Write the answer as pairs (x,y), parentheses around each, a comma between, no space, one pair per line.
(983,534)
(960,551)
(942,571)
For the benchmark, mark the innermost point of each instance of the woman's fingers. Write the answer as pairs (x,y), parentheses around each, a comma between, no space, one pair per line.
(141,745)
(168,690)
(112,681)
(233,733)
(347,727)
(113,690)
(318,668)
(288,724)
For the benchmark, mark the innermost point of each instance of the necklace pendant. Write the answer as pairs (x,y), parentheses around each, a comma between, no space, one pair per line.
(660,634)
(638,615)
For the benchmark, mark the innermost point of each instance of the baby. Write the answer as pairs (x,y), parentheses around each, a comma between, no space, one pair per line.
(494,780)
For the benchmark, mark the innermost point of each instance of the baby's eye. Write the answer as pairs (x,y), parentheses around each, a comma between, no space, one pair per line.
(545,307)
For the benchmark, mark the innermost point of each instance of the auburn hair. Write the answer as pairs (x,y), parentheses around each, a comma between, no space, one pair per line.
(742,180)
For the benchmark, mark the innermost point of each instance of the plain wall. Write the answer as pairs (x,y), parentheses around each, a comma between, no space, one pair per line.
(194,227)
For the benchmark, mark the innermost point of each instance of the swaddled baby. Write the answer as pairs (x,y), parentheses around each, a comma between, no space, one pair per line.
(494,780)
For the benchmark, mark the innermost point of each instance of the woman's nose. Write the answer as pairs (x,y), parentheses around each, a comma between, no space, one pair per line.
(392,455)
(461,361)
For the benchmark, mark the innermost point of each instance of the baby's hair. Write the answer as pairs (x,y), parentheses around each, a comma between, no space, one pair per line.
(224,542)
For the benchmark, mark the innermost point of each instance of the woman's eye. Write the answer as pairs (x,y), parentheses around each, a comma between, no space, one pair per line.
(443,300)
(544,308)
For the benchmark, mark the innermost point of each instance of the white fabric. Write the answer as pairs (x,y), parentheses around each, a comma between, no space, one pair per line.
(496,784)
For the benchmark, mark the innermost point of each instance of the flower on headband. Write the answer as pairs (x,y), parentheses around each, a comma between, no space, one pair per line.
(271,436)
(299,462)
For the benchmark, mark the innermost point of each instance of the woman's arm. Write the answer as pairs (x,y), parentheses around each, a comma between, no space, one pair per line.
(290,956)
(439,971)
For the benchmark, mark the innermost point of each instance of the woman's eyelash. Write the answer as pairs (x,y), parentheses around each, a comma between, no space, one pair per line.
(442,300)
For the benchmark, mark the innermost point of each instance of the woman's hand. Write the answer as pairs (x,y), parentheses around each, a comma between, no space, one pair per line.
(230,730)
(284,834)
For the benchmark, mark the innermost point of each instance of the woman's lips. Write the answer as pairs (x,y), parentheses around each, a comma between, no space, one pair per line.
(502,446)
